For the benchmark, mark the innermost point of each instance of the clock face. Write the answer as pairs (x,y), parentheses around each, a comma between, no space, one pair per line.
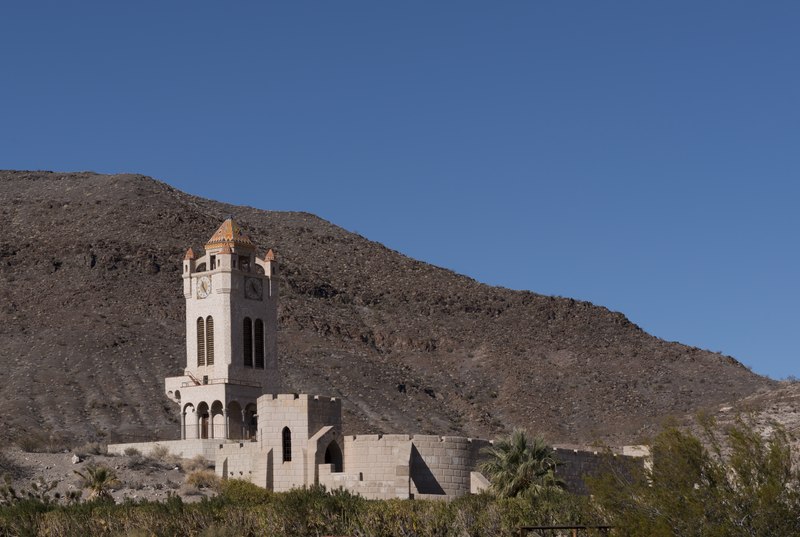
(252,288)
(203,287)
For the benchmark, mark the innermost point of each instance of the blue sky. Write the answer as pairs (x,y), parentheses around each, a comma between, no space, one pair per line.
(640,155)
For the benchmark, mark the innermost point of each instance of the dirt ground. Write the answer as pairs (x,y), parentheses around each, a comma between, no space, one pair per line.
(140,478)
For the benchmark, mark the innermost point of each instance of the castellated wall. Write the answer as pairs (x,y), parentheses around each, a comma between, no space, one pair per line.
(314,422)
(406,466)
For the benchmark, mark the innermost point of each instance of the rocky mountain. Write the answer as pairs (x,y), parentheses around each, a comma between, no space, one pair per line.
(91,321)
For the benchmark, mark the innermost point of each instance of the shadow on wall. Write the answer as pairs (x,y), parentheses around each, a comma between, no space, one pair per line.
(422,476)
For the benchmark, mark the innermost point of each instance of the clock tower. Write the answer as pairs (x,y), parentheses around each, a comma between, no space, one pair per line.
(231,336)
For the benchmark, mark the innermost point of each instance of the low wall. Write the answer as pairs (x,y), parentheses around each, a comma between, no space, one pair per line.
(239,460)
(186,449)
(576,465)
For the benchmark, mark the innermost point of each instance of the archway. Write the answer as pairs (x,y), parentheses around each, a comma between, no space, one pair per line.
(250,422)
(217,420)
(235,419)
(188,422)
(203,424)
(333,455)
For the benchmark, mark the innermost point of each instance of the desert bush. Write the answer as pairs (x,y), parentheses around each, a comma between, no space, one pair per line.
(244,509)
(34,442)
(198,462)
(8,467)
(738,484)
(132,452)
(90,448)
(203,479)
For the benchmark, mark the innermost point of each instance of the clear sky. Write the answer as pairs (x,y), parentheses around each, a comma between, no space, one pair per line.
(641,155)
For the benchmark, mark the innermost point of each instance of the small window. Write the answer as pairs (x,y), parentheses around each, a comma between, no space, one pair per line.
(213,262)
(247,342)
(209,340)
(287,445)
(259,344)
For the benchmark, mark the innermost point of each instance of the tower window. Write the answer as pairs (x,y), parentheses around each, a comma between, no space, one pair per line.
(259,343)
(209,340)
(247,342)
(213,262)
(201,342)
(287,444)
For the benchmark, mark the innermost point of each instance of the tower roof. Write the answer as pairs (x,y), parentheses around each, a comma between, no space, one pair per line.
(229,234)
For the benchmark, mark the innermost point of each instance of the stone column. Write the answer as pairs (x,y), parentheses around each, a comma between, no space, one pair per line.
(183,425)
(225,421)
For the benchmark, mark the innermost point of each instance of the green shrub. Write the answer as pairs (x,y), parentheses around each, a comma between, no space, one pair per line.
(241,492)
(741,484)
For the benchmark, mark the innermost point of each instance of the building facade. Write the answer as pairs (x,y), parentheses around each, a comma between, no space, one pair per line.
(232,411)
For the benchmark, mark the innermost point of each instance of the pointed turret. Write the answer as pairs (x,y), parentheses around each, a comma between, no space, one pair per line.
(230,234)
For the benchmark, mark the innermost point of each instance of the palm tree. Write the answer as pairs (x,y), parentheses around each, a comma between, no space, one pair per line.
(520,465)
(99,480)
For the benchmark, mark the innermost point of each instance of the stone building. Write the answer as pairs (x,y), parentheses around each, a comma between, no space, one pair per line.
(232,411)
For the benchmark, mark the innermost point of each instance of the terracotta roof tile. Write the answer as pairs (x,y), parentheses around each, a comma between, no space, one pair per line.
(230,234)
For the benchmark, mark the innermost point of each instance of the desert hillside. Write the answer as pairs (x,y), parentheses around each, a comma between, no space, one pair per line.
(91,321)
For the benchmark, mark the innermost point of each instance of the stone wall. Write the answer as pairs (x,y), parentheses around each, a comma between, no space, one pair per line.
(304,415)
(406,466)
(186,449)
(575,465)
(241,460)
(441,465)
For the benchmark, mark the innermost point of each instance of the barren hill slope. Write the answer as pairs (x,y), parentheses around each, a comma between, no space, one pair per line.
(91,321)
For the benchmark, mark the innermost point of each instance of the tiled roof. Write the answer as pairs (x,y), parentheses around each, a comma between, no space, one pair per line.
(229,234)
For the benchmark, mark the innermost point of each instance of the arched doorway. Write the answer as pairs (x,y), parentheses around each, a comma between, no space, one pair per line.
(333,455)
(203,425)
(250,422)
(188,422)
(217,420)
(235,430)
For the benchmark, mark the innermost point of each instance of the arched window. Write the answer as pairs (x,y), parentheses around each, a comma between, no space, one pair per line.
(287,444)
(259,343)
(247,342)
(201,342)
(209,340)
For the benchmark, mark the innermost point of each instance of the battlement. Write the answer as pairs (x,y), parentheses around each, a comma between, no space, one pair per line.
(416,438)
(297,397)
